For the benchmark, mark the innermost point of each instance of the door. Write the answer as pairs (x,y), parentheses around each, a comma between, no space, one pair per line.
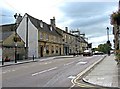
(60,51)
(41,51)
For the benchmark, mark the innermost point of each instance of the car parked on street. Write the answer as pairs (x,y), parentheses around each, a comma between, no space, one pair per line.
(87,53)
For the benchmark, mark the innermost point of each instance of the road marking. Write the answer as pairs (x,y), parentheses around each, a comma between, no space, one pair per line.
(88,57)
(46,63)
(68,63)
(6,71)
(82,63)
(13,70)
(72,77)
(74,81)
(44,71)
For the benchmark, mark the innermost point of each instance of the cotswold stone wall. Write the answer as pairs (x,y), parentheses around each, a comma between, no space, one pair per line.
(10,52)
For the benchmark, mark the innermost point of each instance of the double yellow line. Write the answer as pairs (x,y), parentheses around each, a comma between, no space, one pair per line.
(79,76)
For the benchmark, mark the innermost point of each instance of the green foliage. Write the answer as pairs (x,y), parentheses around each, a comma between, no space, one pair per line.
(104,48)
(94,49)
(117,57)
(115,18)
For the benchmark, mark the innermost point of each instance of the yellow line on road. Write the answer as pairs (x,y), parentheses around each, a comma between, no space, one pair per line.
(75,82)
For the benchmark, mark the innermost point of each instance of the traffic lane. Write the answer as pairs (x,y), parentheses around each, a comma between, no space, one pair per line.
(64,64)
(23,74)
(67,75)
(33,67)
(13,76)
(49,76)
(62,76)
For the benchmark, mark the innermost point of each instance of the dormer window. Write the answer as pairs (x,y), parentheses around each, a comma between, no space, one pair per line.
(41,24)
(51,28)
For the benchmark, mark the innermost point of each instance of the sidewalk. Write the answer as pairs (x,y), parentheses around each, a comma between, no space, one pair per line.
(104,74)
(35,60)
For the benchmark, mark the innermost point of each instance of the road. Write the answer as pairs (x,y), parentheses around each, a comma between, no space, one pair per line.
(49,73)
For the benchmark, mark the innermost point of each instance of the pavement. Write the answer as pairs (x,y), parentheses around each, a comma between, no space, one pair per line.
(105,74)
(35,60)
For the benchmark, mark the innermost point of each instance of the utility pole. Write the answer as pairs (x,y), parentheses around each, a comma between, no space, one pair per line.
(26,56)
(108,42)
(108,33)
(15,38)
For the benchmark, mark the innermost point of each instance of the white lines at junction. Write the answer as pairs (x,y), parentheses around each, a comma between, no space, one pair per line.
(44,71)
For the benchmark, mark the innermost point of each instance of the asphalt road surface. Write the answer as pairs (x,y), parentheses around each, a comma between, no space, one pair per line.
(49,73)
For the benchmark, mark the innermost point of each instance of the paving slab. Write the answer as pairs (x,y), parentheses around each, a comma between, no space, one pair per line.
(105,73)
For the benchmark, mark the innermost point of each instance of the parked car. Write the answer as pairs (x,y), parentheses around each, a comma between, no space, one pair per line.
(7,59)
(98,53)
(87,53)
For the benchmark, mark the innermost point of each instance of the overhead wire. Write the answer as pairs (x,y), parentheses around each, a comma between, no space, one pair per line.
(13,8)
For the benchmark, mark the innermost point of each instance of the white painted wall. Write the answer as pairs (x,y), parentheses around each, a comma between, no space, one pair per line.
(33,39)
(21,30)
(0,54)
(32,36)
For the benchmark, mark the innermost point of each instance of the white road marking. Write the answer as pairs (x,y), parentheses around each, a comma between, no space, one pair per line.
(68,63)
(6,71)
(46,63)
(72,77)
(88,57)
(82,63)
(44,71)
(13,70)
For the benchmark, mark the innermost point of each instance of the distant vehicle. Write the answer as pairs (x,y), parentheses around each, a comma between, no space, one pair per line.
(111,51)
(87,53)
(98,53)
(7,59)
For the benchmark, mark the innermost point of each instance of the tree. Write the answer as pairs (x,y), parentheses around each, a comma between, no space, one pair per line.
(104,48)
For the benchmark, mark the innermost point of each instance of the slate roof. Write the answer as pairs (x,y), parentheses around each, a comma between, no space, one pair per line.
(6,31)
(46,27)
(7,27)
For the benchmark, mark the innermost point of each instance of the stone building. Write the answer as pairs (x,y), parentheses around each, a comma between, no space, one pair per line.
(8,44)
(115,21)
(39,39)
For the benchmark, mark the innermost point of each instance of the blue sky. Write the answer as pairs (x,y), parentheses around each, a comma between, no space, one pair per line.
(91,17)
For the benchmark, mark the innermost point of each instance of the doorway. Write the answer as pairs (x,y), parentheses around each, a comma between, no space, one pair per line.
(41,51)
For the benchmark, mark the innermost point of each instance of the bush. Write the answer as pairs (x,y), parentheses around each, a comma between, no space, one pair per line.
(117,55)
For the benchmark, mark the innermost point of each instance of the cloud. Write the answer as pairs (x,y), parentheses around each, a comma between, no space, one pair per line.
(7,16)
(86,13)
(100,40)
(91,18)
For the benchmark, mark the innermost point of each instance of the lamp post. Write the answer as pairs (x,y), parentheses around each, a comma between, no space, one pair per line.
(108,42)
(108,33)
(15,52)
(15,39)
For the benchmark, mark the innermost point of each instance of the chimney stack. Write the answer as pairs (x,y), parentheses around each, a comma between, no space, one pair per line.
(66,29)
(52,22)
(18,19)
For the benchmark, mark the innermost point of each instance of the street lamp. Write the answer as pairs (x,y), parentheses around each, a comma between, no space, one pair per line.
(108,33)
(15,39)
(108,42)
(16,52)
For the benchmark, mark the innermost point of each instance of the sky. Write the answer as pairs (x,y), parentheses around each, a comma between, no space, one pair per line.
(91,17)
